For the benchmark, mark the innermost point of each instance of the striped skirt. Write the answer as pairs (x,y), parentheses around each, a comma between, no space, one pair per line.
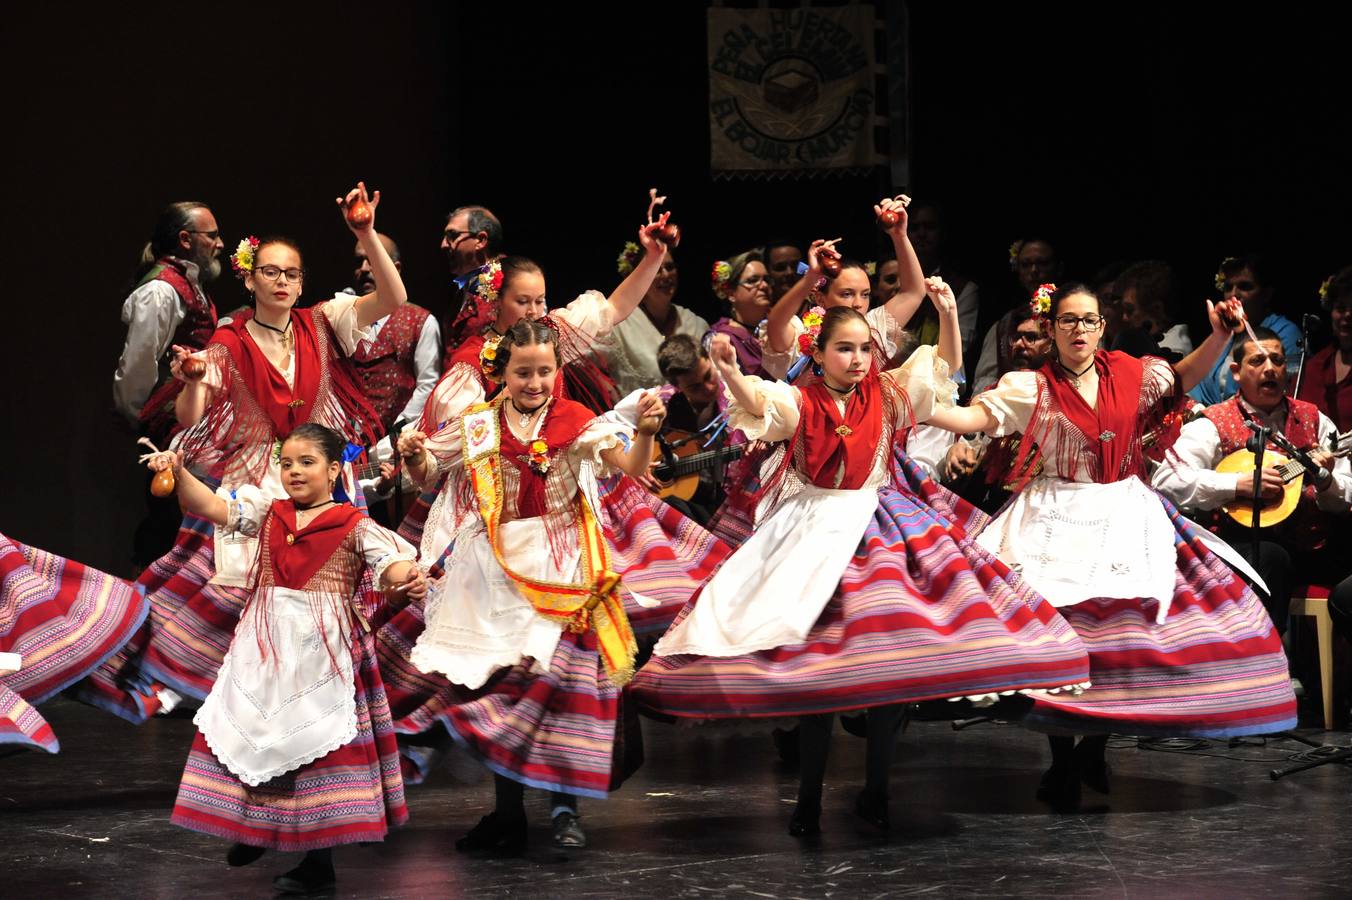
(182,643)
(568,729)
(353,794)
(920,613)
(1215,668)
(64,620)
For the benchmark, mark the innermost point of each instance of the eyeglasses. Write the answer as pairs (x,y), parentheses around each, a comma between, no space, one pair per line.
(209,235)
(272,273)
(1090,322)
(453,237)
(1025,337)
(752,281)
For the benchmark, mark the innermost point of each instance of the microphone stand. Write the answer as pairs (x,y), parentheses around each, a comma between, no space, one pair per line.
(1304,350)
(1257,445)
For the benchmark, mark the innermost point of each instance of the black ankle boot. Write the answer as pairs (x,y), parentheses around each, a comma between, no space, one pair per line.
(1093,765)
(243,854)
(806,819)
(311,875)
(871,806)
(497,833)
(1060,788)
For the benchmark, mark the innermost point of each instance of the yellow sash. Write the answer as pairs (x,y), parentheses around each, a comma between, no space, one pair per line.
(596,603)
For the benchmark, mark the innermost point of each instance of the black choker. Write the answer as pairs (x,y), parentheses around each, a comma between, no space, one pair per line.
(1071,375)
(844,393)
(312,505)
(281,331)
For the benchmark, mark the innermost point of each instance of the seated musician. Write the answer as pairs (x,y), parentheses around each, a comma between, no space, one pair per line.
(1187,476)
(694,398)
(960,462)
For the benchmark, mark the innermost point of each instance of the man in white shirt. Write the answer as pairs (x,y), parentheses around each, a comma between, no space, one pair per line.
(1310,543)
(168,305)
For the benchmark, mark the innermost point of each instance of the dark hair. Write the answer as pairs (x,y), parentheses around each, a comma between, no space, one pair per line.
(1020,314)
(1068,290)
(834,318)
(479,218)
(164,238)
(737,265)
(513,266)
(1262,334)
(1340,288)
(776,244)
(679,355)
(329,442)
(1154,283)
(278,239)
(1256,264)
(525,333)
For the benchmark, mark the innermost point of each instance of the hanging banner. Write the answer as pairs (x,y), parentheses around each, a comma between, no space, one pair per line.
(792,92)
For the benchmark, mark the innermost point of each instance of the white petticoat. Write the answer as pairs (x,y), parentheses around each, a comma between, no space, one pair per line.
(266,716)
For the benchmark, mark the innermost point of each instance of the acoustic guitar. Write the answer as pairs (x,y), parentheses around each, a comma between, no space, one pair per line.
(1292,472)
(679,461)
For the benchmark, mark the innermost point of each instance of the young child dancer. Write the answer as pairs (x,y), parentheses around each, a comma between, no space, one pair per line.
(295,749)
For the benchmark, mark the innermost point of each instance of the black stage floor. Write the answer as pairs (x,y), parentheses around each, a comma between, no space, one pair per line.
(706,816)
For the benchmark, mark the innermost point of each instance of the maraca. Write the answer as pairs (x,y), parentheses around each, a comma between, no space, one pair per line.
(1231,313)
(668,233)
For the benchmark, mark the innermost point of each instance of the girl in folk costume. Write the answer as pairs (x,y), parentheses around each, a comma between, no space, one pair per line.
(295,749)
(58,621)
(851,593)
(530,615)
(1178,644)
(513,288)
(264,373)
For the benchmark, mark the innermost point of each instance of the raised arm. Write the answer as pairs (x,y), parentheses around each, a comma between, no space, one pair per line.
(911,288)
(1195,366)
(778,328)
(389,294)
(194,497)
(950,333)
(625,298)
(724,357)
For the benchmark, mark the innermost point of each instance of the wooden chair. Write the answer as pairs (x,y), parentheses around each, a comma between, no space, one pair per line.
(1313,600)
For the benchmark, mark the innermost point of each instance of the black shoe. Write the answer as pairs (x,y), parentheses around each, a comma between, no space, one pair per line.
(568,833)
(307,877)
(496,833)
(1094,768)
(806,820)
(243,854)
(872,808)
(786,744)
(855,725)
(1060,788)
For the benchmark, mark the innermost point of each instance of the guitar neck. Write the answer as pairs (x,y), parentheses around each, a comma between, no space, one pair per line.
(698,461)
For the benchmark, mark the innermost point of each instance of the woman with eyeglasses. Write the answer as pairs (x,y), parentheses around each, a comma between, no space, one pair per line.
(263,374)
(743,282)
(1178,644)
(632,346)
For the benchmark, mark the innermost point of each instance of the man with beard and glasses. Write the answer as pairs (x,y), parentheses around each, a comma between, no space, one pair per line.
(167,306)
(1312,542)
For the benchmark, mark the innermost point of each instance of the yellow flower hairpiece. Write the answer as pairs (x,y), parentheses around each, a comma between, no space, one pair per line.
(629,258)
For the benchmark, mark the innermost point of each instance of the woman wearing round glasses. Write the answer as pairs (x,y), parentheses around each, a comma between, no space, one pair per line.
(1178,644)
(743,282)
(263,374)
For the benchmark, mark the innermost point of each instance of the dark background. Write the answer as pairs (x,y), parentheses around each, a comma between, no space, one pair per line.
(1169,132)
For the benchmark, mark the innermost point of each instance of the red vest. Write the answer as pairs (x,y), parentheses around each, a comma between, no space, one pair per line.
(195,331)
(1307,527)
(384,367)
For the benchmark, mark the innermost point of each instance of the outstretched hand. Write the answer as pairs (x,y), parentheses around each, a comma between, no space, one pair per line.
(187,366)
(651,413)
(721,352)
(896,206)
(819,249)
(412,444)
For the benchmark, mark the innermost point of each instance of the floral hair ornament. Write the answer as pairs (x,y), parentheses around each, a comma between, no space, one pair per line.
(1014,250)
(1325,286)
(812,324)
(871,267)
(629,258)
(1041,304)
(488,357)
(1220,272)
(721,278)
(489,282)
(242,260)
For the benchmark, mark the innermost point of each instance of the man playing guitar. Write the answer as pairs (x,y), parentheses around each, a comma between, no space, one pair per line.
(1189,477)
